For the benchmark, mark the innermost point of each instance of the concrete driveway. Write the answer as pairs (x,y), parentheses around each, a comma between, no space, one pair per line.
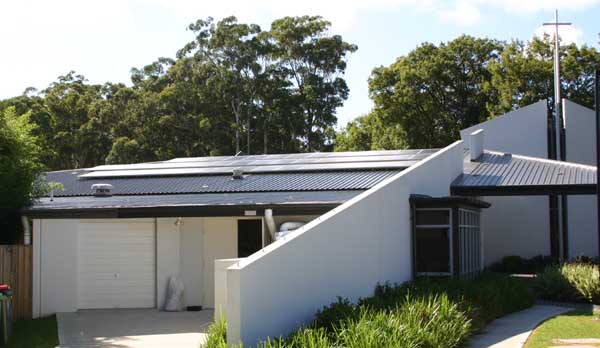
(132,328)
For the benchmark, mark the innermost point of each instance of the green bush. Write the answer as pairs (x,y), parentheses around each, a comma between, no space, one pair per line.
(517,265)
(569,282)
(424,313)
(484,299)
(335,313)
(431,321)
(216,336)
(585,278)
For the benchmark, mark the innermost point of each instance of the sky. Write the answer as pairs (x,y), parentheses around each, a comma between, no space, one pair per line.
(102,40)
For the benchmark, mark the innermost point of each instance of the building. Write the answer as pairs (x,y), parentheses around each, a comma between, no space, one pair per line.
(116,234)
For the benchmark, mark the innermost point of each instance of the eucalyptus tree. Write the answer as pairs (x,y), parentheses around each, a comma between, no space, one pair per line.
(315,62)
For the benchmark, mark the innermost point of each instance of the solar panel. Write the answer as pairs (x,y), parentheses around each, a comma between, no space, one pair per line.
(266,163)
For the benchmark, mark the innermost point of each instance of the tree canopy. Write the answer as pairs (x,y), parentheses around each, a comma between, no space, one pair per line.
(20,166)
(426,97)
(234,88)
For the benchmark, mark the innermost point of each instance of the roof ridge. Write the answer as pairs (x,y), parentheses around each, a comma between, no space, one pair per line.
(539,159)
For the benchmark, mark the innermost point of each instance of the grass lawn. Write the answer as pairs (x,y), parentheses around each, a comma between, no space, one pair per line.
(36,333)
(576,324)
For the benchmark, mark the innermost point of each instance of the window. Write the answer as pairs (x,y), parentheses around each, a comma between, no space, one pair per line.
(470,242)
(433,241)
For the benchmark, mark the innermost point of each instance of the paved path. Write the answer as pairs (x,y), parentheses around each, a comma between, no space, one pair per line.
(513,330)
(132,328)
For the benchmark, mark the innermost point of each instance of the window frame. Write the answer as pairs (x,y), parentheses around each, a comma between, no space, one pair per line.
(450,235)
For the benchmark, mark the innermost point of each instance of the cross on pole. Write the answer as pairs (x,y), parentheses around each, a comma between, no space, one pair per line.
(559,152)
(557,100)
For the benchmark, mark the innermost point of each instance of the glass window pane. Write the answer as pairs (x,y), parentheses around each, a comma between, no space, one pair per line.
(433,217)
(433,250)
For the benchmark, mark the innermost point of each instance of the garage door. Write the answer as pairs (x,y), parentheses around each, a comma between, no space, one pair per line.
(116,265)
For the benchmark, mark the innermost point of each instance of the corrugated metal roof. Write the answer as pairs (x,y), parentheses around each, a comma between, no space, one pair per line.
(195,200)
(496,173)
(270,182)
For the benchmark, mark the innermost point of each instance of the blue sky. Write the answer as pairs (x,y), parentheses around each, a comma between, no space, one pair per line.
(41,40)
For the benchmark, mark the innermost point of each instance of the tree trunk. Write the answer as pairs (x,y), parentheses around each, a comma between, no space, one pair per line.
(248,132)
(237,133)
(265,137)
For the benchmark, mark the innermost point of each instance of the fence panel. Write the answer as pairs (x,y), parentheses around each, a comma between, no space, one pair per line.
(15,270)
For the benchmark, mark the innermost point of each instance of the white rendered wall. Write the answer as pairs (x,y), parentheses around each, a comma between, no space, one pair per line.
(221,286)
(522,132)
(508,231)
(55,266)
(192,261)
(580,137)
(220,242)
(168,259)
(516,225)
(345,252)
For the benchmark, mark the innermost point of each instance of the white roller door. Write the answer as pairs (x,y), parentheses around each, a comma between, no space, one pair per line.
(116,266)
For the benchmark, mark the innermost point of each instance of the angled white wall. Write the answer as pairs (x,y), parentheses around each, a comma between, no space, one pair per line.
(516,225)
(345,252)
(580,135)
(522,132)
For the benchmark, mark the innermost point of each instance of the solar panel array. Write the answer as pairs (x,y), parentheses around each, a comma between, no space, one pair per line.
(331,161)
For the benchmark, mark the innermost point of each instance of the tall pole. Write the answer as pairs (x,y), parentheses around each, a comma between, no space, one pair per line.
(560,152)
(597,108)
(557,84)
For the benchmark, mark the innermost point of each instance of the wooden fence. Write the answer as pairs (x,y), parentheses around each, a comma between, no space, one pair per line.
(16,271)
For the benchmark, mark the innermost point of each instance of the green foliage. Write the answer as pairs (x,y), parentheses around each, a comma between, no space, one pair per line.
(216,336)
(427,96)
(484,299)
(517,265)
(429,321)
(440,313)
(569,282)
(234,87)
(552,285)
(19,159)
(335,313)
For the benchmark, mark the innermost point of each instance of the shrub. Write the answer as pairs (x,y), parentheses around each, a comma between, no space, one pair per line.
(517,265)
(431,321)
(586,280)
(424,313)
(570,282)
(216,336)
(336,312)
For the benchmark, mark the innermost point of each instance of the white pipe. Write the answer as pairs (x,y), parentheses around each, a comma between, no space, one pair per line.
(26,230)
(270,223)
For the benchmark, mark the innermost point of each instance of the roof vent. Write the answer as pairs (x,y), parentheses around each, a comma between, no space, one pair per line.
(476,144)
(102,190)
(237,174)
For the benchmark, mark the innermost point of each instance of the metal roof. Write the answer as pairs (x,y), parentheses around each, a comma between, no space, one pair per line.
(334,161)
(208,204)
(269,182)
(497,173)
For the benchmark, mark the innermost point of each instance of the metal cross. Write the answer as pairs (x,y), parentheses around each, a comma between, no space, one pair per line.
(556,24)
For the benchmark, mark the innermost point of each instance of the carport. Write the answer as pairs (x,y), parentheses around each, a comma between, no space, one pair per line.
(504,174)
